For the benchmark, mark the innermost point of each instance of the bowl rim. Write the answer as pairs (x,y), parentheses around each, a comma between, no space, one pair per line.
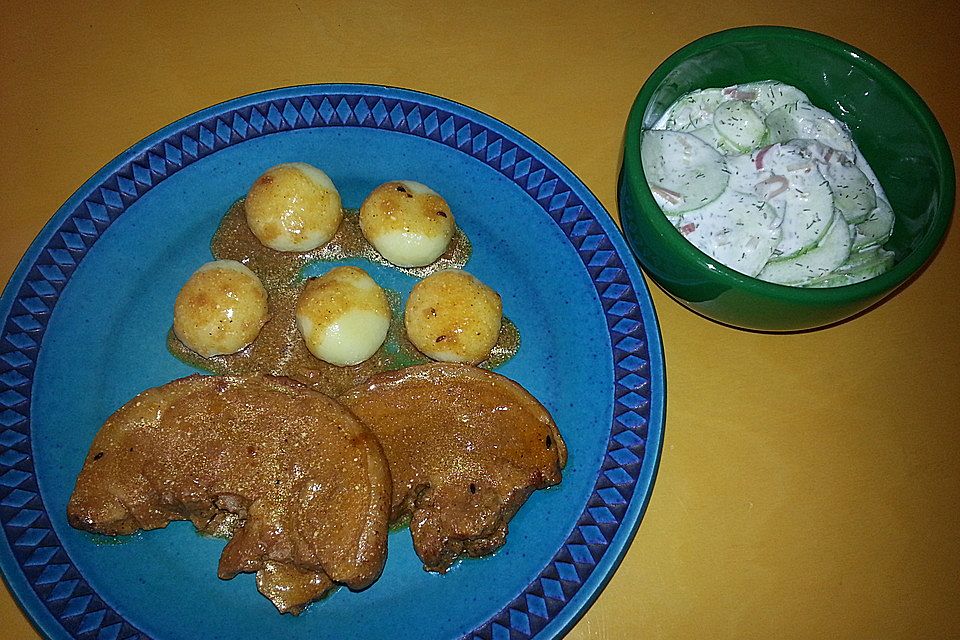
(634,178)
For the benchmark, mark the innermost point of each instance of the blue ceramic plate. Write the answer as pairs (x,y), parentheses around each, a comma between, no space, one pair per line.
(84,318)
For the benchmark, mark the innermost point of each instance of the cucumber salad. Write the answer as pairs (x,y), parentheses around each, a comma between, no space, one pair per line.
(764,182)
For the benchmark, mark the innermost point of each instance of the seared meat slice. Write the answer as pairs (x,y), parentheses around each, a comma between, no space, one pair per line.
(300,484)
(466,448)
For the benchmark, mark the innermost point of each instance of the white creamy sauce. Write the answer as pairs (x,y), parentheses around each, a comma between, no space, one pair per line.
(768,184)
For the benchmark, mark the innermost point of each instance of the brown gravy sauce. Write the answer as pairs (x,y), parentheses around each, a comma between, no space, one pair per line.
(279,349)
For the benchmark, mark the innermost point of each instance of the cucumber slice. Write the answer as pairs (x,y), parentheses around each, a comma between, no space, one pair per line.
(861,266)
(802,120)
(877,227)
(818,152)
(864,259)
(691,111)
(683,171)
(743,173)
(739,123)
(771,95)
(862,164)
(794,186)
(831,252)
(853,194)
(712,137)
(804,224)
(736,229)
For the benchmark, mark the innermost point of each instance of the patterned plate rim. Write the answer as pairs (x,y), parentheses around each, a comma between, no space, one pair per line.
(38,570)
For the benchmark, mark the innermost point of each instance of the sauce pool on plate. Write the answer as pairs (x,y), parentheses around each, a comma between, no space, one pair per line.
(279,349)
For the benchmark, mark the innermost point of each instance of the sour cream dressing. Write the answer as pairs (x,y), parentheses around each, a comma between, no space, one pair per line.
(766,183)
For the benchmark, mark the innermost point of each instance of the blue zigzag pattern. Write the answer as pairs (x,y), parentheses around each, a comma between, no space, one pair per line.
(25,521)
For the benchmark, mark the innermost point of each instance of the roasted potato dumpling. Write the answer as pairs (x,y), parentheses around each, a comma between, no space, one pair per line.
(293,207)
(220,309)
(407,222)
(453,317)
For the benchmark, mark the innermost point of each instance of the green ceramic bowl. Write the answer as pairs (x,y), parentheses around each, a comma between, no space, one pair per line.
(895,130)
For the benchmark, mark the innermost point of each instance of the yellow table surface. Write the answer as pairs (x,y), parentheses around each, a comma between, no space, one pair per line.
(810,484)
